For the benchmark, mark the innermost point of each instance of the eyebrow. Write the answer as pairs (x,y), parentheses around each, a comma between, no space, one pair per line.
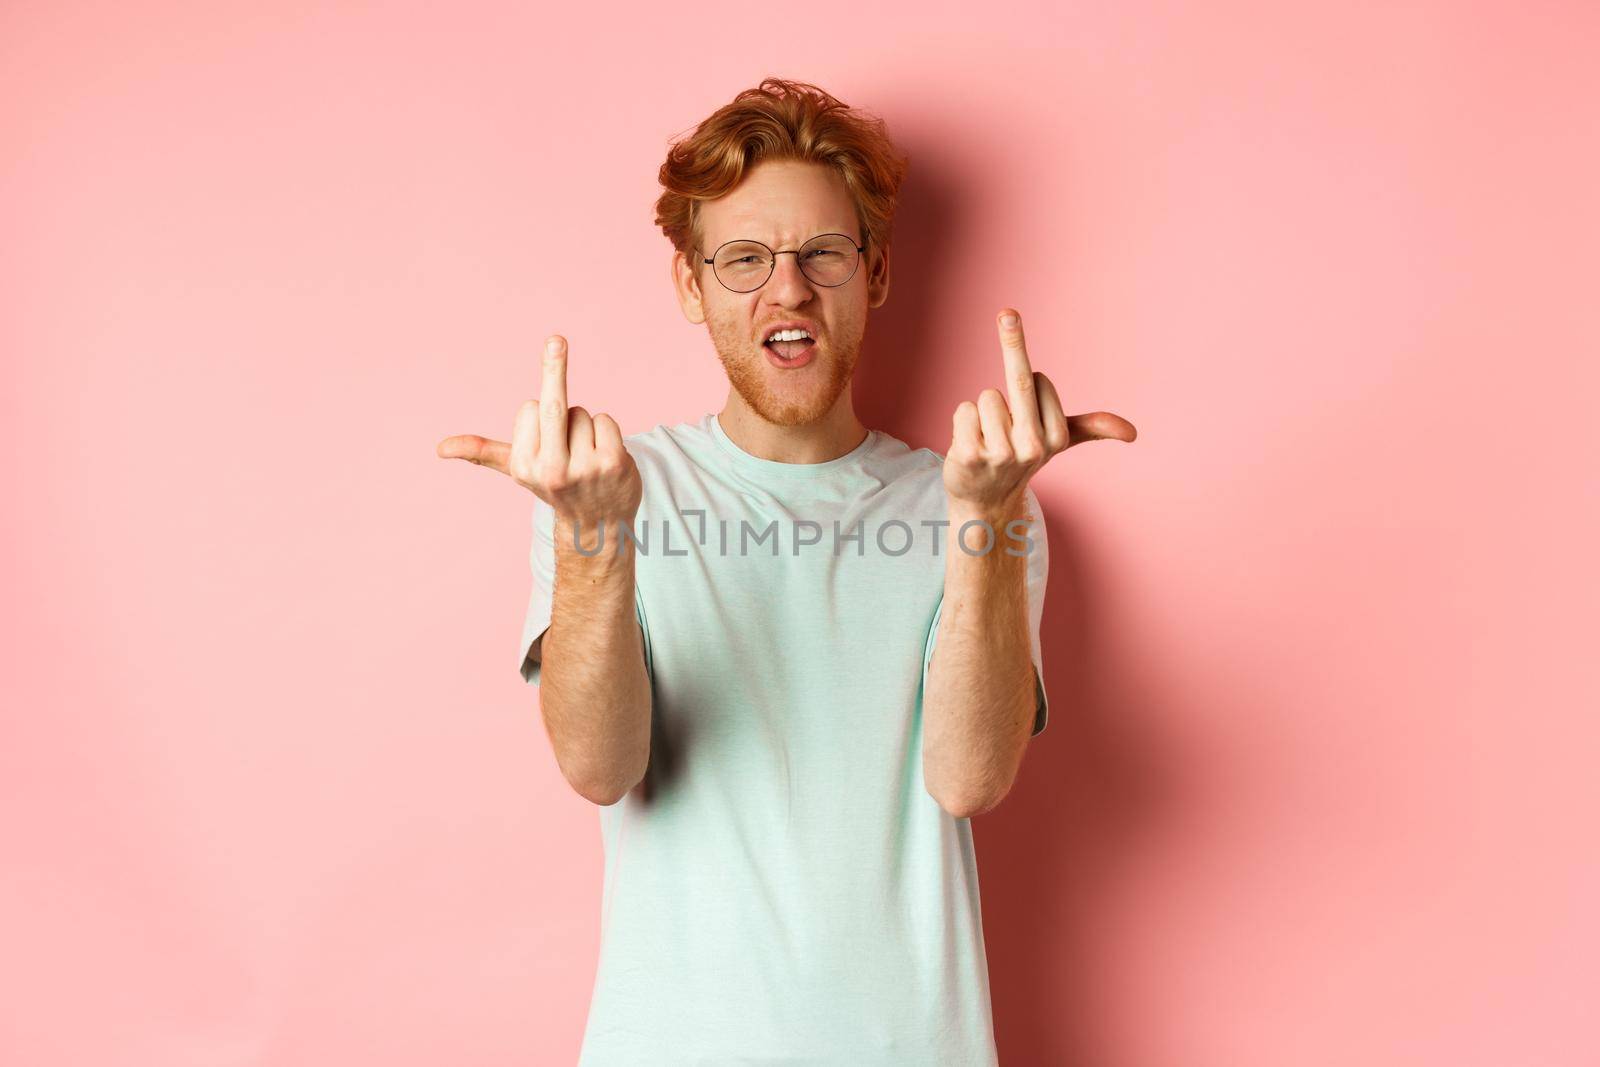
(769,244)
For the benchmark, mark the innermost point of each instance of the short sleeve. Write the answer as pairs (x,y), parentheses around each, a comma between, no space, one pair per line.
(542,562)
(1038,551)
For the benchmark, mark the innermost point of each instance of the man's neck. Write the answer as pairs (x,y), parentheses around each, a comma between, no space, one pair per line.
(835,434)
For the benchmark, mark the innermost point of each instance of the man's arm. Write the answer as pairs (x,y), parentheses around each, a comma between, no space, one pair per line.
(980,699)
(594,690)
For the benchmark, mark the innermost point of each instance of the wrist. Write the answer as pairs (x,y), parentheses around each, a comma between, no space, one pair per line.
(995,513)
(592,540)
(986,537)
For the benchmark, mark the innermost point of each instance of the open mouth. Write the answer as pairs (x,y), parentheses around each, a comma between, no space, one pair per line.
(789,350)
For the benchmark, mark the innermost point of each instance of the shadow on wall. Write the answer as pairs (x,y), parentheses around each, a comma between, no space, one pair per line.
(1051,856)
(892,386)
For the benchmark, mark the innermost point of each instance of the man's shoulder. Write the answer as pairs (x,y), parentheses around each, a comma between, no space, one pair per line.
(663,432)
(891,445)
(669,441)
(899,461)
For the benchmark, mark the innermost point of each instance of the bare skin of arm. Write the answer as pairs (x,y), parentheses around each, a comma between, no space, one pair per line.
(979,705)
(594,689)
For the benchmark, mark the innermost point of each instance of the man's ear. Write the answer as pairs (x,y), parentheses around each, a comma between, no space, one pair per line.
(687,287)
(878,278)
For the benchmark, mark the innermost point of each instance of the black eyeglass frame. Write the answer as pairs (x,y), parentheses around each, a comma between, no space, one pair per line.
(772,266)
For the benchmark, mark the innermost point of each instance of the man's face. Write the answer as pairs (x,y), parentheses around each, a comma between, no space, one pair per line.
(784,204)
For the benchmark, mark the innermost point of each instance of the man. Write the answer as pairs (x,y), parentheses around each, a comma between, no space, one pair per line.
(788,655)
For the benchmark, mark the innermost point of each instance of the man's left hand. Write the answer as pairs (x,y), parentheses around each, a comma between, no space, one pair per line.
(997,447)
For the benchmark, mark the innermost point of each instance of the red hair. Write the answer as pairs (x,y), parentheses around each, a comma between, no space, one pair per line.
(785,120)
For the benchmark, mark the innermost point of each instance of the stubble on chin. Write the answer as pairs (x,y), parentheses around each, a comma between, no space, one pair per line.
(748,371)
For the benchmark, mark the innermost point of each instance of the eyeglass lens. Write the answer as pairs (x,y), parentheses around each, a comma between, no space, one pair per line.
(745,265)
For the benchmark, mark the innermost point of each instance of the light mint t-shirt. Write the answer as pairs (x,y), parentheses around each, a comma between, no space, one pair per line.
(780,889)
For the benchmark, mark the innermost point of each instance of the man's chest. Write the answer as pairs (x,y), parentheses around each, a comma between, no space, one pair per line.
(751,600)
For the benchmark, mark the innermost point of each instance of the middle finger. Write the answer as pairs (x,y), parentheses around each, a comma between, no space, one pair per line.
(553,403)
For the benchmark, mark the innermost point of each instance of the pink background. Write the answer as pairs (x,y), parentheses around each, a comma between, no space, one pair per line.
(1318,787)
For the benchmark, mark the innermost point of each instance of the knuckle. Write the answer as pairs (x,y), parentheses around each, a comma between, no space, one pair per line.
(554,476)
(999,456)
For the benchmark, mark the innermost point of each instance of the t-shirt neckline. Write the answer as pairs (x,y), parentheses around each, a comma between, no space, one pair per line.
(788,470)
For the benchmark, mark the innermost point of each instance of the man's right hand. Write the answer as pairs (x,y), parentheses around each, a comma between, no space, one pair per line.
(575,463)
(594,685)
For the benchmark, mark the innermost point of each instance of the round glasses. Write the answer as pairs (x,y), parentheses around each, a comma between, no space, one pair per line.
(744,266)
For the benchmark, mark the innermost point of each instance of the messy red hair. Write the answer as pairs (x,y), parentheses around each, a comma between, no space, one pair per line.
(786,120)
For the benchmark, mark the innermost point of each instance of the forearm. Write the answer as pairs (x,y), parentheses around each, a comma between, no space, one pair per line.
(978,708)
(594,689)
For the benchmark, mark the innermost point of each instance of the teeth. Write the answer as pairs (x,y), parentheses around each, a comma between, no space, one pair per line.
(789,335)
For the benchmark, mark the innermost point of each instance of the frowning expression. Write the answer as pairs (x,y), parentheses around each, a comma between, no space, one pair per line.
(783,204)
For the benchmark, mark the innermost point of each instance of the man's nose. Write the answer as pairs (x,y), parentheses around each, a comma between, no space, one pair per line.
(789,284)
